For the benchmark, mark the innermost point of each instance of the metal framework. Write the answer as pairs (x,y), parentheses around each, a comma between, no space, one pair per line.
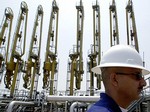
(51,63)
(32,65)
(76,64)
(5,39)
(94,53)
(114,32)
(14,65)
(132,38)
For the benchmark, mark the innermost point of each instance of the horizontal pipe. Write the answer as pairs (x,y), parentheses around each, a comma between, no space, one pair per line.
(76,104)
(72,98)
(11,104)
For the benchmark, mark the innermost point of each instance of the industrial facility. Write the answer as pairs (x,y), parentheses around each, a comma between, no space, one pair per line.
(22,68)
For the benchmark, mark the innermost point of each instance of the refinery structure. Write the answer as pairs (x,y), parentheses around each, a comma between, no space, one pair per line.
(13,67)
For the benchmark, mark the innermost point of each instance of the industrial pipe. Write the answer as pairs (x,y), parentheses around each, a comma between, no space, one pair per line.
(66,104)
(11,104)
(72,98)
(76,104)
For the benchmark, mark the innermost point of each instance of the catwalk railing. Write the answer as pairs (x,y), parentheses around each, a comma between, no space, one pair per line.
(143,104)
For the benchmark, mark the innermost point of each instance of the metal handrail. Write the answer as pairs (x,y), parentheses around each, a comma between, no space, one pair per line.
(144,96)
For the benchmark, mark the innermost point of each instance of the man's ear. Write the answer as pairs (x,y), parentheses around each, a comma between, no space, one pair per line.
(113,79)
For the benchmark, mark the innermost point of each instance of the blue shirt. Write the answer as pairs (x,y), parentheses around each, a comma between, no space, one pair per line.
(105,104)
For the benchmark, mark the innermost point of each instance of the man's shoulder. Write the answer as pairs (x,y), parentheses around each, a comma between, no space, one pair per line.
(95,108)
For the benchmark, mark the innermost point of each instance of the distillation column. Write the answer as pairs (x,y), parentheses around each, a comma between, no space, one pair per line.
(15,63)
(114,32)
(94,53)
(32,65)
(50,69)
(131,26)
(75,64)
(5,33)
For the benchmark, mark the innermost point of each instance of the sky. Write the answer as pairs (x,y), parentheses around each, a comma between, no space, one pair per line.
(67,28)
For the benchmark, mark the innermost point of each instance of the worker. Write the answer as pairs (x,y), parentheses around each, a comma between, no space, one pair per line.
(122,71)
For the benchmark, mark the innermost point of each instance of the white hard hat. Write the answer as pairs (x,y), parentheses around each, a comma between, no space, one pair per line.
(121,56)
